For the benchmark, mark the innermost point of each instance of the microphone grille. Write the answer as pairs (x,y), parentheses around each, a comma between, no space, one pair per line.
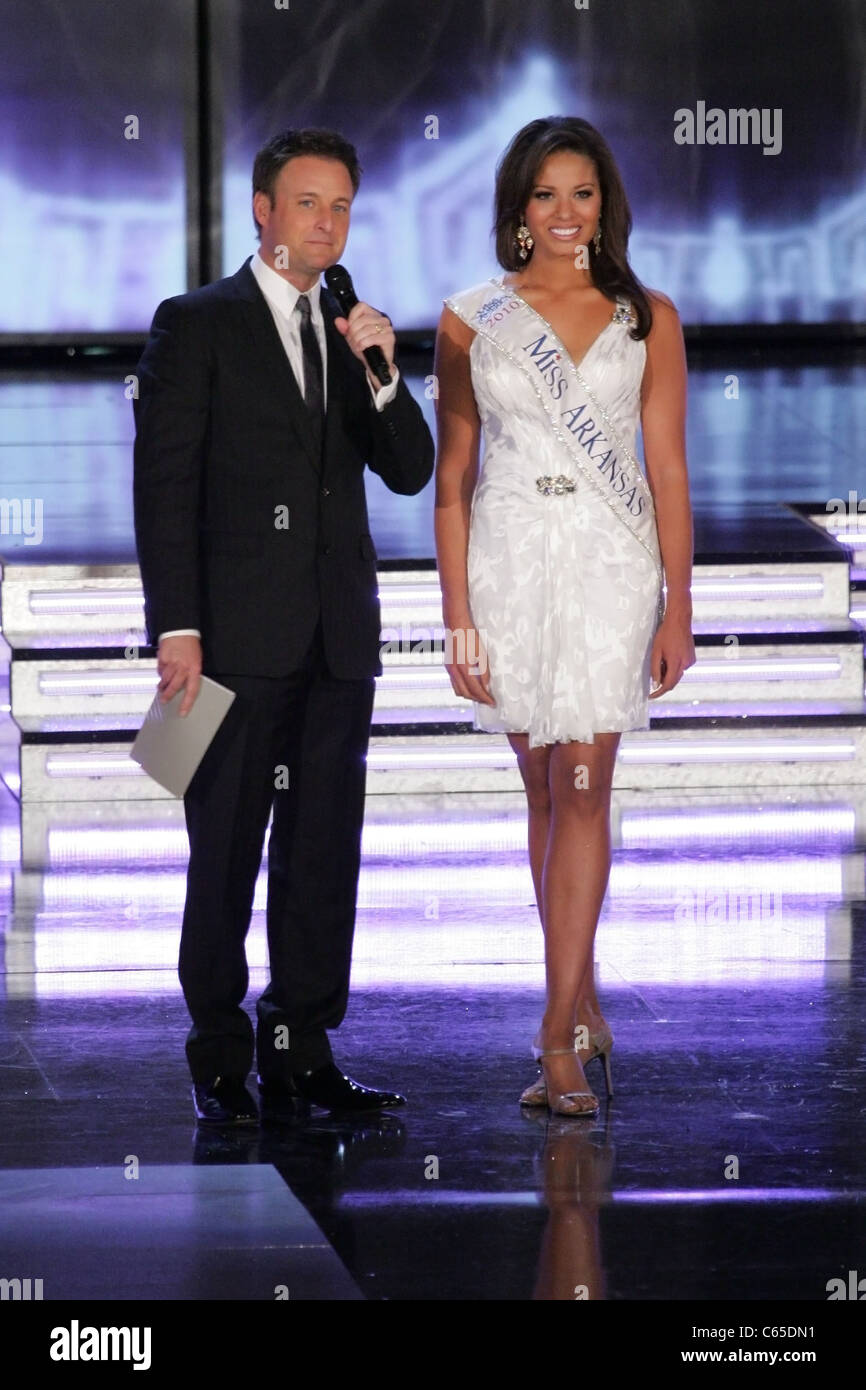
(337,277)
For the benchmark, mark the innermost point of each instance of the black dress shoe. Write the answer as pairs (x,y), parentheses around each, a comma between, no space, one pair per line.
(280,1102)
(224,1101)
(328,1087)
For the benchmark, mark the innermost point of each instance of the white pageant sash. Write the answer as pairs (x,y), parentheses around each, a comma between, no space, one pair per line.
(578,420)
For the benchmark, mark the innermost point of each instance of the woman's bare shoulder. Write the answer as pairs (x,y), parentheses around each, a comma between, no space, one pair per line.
(660,303)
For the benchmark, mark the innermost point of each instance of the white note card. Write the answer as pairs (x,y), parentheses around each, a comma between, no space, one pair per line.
(169,747)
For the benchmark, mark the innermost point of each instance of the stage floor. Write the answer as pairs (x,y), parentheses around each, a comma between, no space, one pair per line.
(728,1164)
(793,431)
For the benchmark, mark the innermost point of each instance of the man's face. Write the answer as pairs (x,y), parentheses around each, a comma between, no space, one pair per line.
(309,219)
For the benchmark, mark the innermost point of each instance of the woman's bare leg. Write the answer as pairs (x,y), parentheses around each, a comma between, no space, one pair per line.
(534,766)
(574,882)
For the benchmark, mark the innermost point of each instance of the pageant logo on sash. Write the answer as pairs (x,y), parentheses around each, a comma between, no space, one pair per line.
(496,309)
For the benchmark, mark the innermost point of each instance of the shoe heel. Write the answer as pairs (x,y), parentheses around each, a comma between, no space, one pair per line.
(605,1057)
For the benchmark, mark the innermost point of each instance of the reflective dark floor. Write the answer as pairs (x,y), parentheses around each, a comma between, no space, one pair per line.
(728,1165)
(760,431)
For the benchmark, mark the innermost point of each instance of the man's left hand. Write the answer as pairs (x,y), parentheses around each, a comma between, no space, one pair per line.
(366,328)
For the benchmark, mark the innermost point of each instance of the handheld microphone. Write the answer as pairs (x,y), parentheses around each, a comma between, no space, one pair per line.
(339,282)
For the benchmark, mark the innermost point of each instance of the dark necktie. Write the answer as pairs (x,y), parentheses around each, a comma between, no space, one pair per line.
(314,394)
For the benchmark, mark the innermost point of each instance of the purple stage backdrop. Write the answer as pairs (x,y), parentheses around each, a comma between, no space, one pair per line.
(92,206)
(740,130)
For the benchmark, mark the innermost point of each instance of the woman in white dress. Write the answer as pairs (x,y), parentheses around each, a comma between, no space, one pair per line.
(552,556)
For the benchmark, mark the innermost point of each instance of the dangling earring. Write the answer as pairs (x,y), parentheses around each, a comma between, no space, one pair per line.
(525,242)
(596,241)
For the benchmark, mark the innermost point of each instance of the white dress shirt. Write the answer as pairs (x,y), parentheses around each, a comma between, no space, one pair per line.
(282,299)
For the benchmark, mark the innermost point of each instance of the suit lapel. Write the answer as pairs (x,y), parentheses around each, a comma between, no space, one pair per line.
(270,351)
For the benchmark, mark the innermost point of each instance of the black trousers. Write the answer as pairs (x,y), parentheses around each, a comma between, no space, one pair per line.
(298,745)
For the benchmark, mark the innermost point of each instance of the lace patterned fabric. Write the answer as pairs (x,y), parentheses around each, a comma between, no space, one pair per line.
(565,600)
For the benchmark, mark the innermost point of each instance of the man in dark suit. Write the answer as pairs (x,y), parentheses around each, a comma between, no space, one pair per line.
(255,419)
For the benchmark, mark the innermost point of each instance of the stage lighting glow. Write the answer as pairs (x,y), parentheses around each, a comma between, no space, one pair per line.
(101,600)
(740,667)
(484,952)
(93,764)
(748,883)
(395,838)
(699,824)
(99,682)
(739,750)
(758,587)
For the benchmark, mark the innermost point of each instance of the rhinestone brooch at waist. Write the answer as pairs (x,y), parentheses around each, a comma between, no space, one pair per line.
(557,485)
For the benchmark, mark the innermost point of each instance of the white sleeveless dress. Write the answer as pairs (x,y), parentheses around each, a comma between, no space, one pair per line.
(565,601)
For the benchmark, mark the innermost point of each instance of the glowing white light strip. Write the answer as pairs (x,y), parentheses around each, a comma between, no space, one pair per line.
(733,668)
(483,955)
(702,586)
(433,676)
(697,752)
(742,881)
(91,765)
(725,1196)
(10,844)
(85,600)
(635,1196)
(744,887)
(665,750)
(728,669)
(402,595)
(380,839)
(98,682)
(401,678)
(648,827)
(846,538)
(108,971)
(406,759)
(130,843)
(503,949)
(112,765)
(759,585)
(136,892)
(800,874)
(487,834)
(89,602)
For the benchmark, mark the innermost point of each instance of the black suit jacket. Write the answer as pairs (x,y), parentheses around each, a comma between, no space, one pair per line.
(241,530)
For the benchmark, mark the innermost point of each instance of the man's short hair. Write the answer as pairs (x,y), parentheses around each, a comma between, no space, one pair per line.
(289,144)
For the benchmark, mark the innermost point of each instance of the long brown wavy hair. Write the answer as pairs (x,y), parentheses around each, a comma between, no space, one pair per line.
(516,175)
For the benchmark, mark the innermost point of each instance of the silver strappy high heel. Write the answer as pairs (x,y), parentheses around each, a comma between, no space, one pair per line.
(570,1103)
(601,1043)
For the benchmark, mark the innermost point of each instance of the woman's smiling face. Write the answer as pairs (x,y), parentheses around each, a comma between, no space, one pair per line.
(564,205)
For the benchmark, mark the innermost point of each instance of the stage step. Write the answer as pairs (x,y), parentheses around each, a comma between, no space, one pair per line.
(95,874)
(858,601)
(776,694)
(843,519)
(63,606)
(51,690)
(716,751)
(447,825)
